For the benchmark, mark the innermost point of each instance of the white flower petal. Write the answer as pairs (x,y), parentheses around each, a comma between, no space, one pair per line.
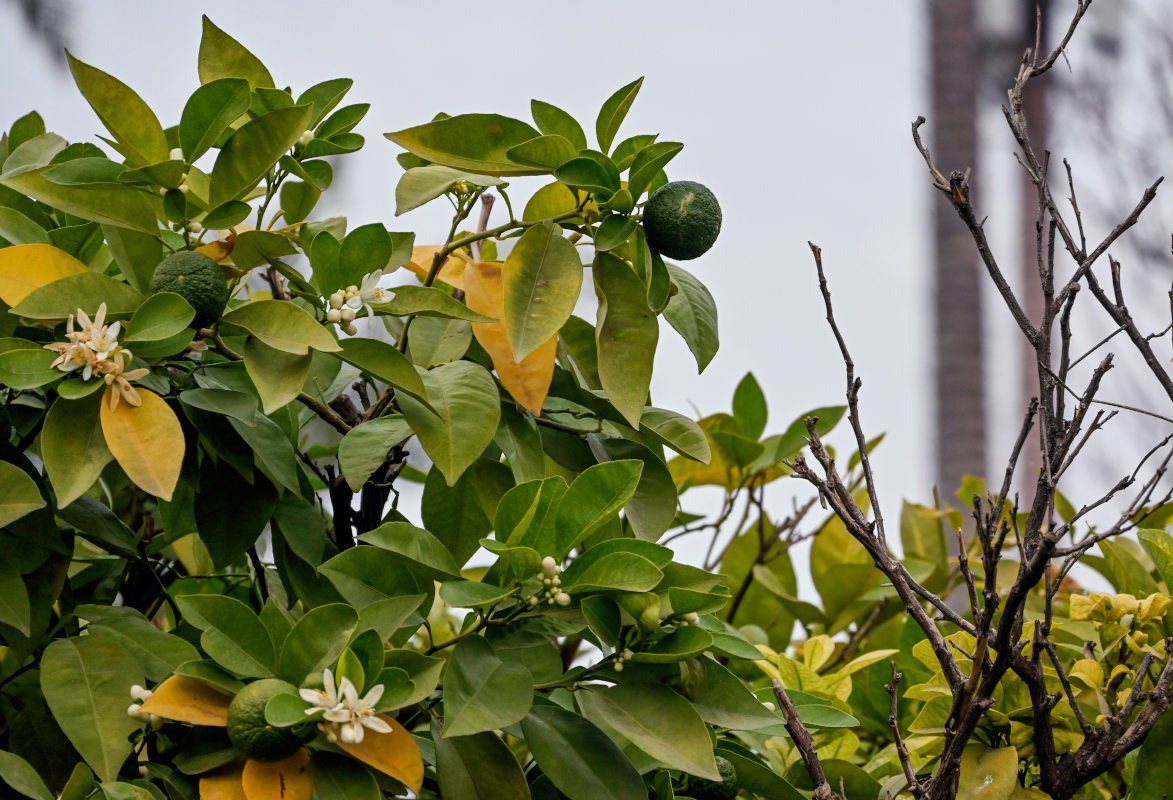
(376,724)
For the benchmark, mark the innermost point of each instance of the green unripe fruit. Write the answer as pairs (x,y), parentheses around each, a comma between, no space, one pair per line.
(724,789)
(198,280)
(682,220)
(247,729)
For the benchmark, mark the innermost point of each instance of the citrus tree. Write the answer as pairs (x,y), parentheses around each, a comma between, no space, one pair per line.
(211,396)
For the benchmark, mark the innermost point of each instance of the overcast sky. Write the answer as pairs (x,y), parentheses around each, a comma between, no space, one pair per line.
(796,114)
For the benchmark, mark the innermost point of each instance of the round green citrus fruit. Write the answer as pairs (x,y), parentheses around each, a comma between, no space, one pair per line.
(724,789)
(247,729)
(682,220)
(197,279)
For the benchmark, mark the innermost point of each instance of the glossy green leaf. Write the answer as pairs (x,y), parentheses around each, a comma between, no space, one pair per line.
(19,494)
(465,409)
(99,524)
(237,405)
(428,301)
(14,597)
(21,777)
(209,112)
(626,336)
(365,447)
(680,644)
(552,120)
(435,341)
(542,278)
(253,150)
(477,767)
(546,152)
(63,297)
(324,97)
(27,369)
(340,778)
(726,702)
(158,653)
(136,253)
(482,692)
(221,56)
(652,508)
(659,722)
(420,185)
(472,142)
(73,448)
(228,215)
(425,554)
(273,452)
(612,113)
(472,594)
(315,641)
(19,229)
(277,375)
(459,515)
(579,758)
(86,681)
(1159,545)
(520,441)
(588,175)
(253,248)
(160,316)
(749,407)
(648,163)
(384,362)
(233,635)
(693,313)
(614,231)
(298,200)
(626,572)
(129,120)
(678,432)
(364,575)
(282,325)
(551,200)
(593,498)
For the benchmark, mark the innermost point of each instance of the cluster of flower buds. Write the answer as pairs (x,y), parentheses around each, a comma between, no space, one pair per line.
(95,351)
(135,711)
(551,592)
(692,618)
(345,303)
(622,657)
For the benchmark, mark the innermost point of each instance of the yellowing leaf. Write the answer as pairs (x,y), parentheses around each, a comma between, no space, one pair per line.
(288,779)
(452,272)
(988,772)
(394,754)
(147,442)
(223,784)
(27,267)
(528,380)
(185,699)
(817,651)
(217,251)
(1088,672)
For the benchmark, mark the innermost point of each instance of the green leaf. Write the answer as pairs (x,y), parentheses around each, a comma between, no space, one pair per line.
(1159,545)
(207,672)
(435,341)
(542,278)
(365,447)
(73,448)
(1125,570)
(233,634)
(364,575)
(726,702)
(298,200)
(136,253)
(286,710)
(678,432)
(209,112)
(545,152)
(473,142)
(682,643)
(593,499)
(253,248)
(96,522)
(158,653)
(693,313)
(221,56)
(626,336)
(612,113)
(626,572)
(315,641)
(614,231)
(420,185)
(277,375)
(749,407)
(482,692)
(459,515)
(384,362)
(476,767)
(160,316)
(14,597)
(86,681)
(229,215)
(21,777)
(324,97)
(231,514)
(340,778)
(659,722)
(273,452)
(19,229)
(365,249)
(428,301)
(472,594)
(282,325)
(130,121)
(552,120)
(237,405)
(19,494)
(253,150)
(652,508)
(589,175)
(27,369)
(425,554)
(88,290)
(465,409)
(579,758)
(647,165)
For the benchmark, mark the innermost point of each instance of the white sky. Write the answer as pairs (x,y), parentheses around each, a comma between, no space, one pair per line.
(796,114)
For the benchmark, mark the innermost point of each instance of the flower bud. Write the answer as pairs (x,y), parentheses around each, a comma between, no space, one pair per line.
(337,299)
(333,315)
(134,710)
(627,654)
(692,618)
(195,227)
(618,667)
(562,599)
(550,567)
(176,154)
(305,138)
(350,329)
(136,692)
(156,721)
(347,314)
(184,188)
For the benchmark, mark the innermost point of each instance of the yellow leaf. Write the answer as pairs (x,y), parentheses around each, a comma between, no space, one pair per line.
(223,784)
(394,754)
(1088,672)
(452,273)
(26,267)
(147,442)
(279,780)
(817,651)
(185,699)
(988,772)
(217,251)
(528,380)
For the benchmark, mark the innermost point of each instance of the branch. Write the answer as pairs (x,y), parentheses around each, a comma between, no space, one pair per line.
(805,744)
